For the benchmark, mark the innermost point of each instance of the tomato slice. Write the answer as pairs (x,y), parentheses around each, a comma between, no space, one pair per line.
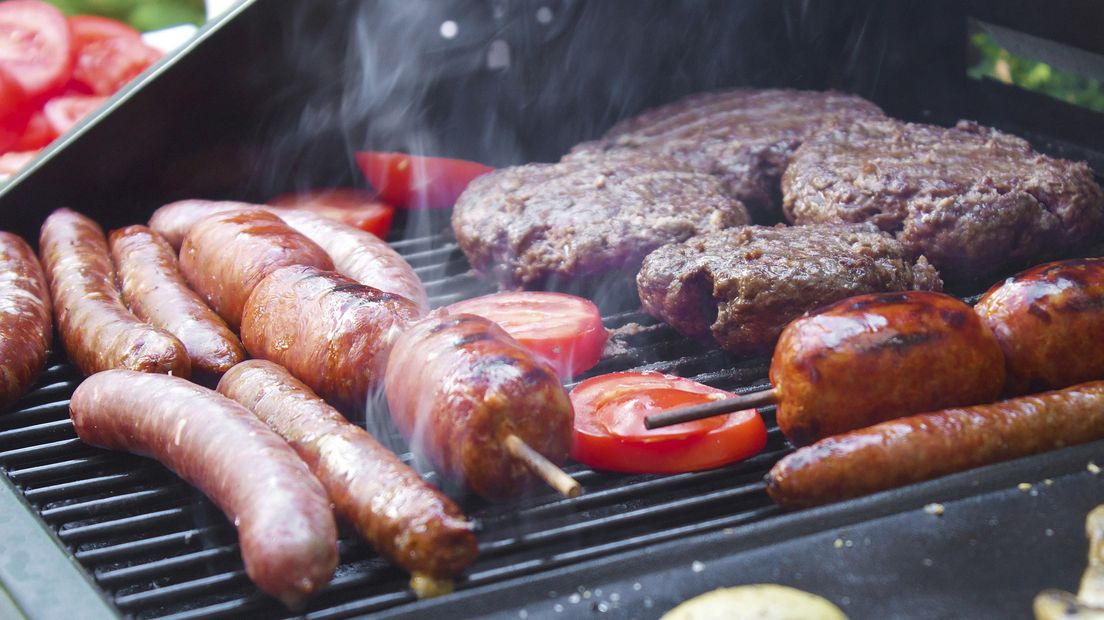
(13,162)
(36,134)
(411,181)
(35,46)
(354,207)
(106,65)
(565,330)
(63,112)
(88,29)
(610,434)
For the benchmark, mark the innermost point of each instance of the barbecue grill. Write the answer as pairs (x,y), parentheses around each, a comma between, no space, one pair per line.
(276,94)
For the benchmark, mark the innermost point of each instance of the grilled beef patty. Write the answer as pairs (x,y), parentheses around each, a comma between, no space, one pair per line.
(744,137)
(739,287)
(971,199)
(551,225)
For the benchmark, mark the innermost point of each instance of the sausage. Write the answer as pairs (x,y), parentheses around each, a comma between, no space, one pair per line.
(457,385)
(361,256)
(285,526)
(97,330)
(929,445)
(405,519)
(876,357)
(227,254)
(174,220)
(1048,321)
(26,321)
(357,208)
(155,291)
(330,332)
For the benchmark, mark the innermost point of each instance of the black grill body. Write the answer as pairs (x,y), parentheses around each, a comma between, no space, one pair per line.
(278,94)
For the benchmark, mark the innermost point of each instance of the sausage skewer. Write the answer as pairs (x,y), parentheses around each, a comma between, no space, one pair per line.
(707,410)
(26,323)
(841,368)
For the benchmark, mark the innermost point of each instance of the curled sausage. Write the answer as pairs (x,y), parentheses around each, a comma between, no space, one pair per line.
(26,323)
(285,526)
(174,220)
(1048,320)
(155,291)
(405,519)
(875,357)
(458,385)
(929,445)
(227,254)
(331,332)
(97,330)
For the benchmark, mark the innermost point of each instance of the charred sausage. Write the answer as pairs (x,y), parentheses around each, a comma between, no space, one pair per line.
(875,357)
(929,445)
(457,385)
(26,323)
(361,256)
(174,220)
(97,330)
(226,255)
(332,333)
(405,519)
(155,291)
(285,526)
(1048,320)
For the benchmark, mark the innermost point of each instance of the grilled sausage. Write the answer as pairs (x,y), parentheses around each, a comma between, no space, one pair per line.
(97,330)
(26,323)
(332,333)
(227,254)
(174,220)
(361,256)
(875,357)
(285,526)
(405,519)
(1048,320)
(353,207)
(457,385)
(929,445)
(155,291)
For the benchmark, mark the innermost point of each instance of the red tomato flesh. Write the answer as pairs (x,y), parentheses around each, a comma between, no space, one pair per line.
(91,28)
(13,162)
(35,46)
(411,181)
(107,65)
(564,330)
(351,206)
(37,134)
(610,433)
(63,112)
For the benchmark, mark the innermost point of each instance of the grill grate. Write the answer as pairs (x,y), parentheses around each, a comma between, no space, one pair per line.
(159,549)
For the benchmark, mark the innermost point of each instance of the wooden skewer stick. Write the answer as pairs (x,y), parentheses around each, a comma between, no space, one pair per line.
(708,410)
(547,470)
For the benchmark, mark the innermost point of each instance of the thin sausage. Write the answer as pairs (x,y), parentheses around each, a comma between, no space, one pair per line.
(285,526)
(457,385)
(155,292)
(929,445)
(332,333)
(875,357)
(405,519)
(227,254)
(26,322)
(97,330)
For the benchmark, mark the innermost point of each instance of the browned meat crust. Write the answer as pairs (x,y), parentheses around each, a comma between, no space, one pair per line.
(26,323)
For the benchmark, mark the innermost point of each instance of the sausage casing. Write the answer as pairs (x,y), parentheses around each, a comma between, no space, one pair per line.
(174,220)
(1049,320)
(97,330)
(876,357)
(929,445)
(26,322)
(330,332)
(285,526)
(155,291)
(405,519)
(457,385)
(226,255)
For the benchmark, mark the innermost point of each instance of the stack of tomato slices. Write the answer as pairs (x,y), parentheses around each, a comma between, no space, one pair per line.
(54,70)
(417,182)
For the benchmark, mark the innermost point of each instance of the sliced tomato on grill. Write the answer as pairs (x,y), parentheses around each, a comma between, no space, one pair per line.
(565,330)
(106,65)
(411,181)
(354,207)
(610,433)
(63,112)
(35,46)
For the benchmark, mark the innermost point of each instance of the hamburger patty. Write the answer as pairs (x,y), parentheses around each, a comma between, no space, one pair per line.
(739,287)
(744,137)
(551,225)
(971,199)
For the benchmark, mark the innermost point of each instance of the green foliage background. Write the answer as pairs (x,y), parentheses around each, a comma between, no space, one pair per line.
(142,14)
(1000,64)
